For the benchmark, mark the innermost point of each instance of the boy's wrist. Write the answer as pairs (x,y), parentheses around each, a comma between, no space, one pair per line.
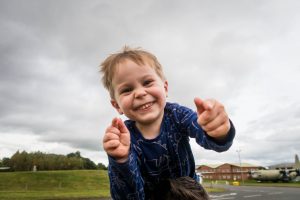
(225,138)
(121,160)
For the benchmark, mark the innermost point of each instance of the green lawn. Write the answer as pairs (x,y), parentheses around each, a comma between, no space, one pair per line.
(54,184)
(73,184)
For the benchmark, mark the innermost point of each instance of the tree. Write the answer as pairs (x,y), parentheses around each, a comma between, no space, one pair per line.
(76,155)
(25,161)
(88,164)
(5,162)
(101,166)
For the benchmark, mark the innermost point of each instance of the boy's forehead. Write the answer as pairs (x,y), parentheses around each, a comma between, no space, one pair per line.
(130,70)
(130,67)
(129,63)
(142,61)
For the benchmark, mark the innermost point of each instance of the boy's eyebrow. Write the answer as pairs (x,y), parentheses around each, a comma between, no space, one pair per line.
(147,76)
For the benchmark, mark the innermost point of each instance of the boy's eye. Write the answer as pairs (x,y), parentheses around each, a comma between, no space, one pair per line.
(125,90)
(147,82)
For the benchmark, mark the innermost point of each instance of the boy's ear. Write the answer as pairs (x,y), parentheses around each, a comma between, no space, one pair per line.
(116,106)
(166,87)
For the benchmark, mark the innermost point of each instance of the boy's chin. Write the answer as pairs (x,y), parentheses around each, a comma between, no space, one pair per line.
(145,122)
(148,120)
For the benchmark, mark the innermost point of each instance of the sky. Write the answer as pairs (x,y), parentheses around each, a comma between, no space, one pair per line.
(245,54)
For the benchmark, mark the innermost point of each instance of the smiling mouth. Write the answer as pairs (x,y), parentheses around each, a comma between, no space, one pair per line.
(145,106)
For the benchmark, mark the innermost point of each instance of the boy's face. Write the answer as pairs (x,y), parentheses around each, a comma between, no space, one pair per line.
(139,92)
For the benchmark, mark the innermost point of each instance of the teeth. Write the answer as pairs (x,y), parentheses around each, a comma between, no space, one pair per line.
(145,106)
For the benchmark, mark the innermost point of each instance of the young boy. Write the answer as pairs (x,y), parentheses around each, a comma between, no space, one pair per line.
(153,144)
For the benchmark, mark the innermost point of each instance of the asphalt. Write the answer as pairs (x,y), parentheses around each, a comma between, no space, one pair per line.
(247,193)
(257,193)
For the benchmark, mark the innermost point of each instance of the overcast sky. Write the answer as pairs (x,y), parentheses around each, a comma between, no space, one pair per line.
(245,54)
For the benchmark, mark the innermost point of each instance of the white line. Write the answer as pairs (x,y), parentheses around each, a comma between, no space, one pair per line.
(250,196)
(223,195)
(275,193)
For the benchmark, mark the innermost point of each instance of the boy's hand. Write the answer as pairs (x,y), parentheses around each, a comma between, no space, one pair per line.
(116,141)
(212,117)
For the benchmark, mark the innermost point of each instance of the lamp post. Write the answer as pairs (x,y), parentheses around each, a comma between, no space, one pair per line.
(239,151)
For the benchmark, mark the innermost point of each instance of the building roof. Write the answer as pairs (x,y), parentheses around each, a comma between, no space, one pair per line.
(209,165)
(243,165)
(234,164)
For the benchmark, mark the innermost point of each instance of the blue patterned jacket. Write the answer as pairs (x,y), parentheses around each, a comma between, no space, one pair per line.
(169,155)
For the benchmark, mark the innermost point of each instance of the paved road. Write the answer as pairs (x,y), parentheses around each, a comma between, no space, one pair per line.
(257,193)
(253,193)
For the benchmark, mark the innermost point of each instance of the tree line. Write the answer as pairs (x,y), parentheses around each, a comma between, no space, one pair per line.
(23,161)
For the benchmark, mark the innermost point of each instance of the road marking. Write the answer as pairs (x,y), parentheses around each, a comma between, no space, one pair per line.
(223,196)
(274,193)
(250,196)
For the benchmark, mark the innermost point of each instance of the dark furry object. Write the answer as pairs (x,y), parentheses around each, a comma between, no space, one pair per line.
(183,188)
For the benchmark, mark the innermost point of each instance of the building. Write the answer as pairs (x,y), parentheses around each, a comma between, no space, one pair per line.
(226,171)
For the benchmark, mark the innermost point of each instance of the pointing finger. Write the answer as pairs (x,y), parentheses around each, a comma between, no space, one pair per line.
(122,126)
(199,104)
(203,105)
(114,123)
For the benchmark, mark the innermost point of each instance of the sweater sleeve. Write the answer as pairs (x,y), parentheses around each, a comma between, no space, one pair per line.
(187,120)
(208,142)
(125,179)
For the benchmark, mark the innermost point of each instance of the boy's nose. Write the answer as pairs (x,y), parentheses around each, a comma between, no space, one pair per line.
(140,92)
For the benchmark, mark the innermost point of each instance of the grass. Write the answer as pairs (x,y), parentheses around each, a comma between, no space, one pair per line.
(54,184)
(76,184)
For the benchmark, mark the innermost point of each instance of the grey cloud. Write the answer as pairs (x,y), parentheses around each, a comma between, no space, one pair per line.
(278,118)
(50,52)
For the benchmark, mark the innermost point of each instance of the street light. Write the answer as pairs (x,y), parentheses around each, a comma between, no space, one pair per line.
(239,151)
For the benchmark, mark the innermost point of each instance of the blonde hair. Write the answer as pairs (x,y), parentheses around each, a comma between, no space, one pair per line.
(137,55)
